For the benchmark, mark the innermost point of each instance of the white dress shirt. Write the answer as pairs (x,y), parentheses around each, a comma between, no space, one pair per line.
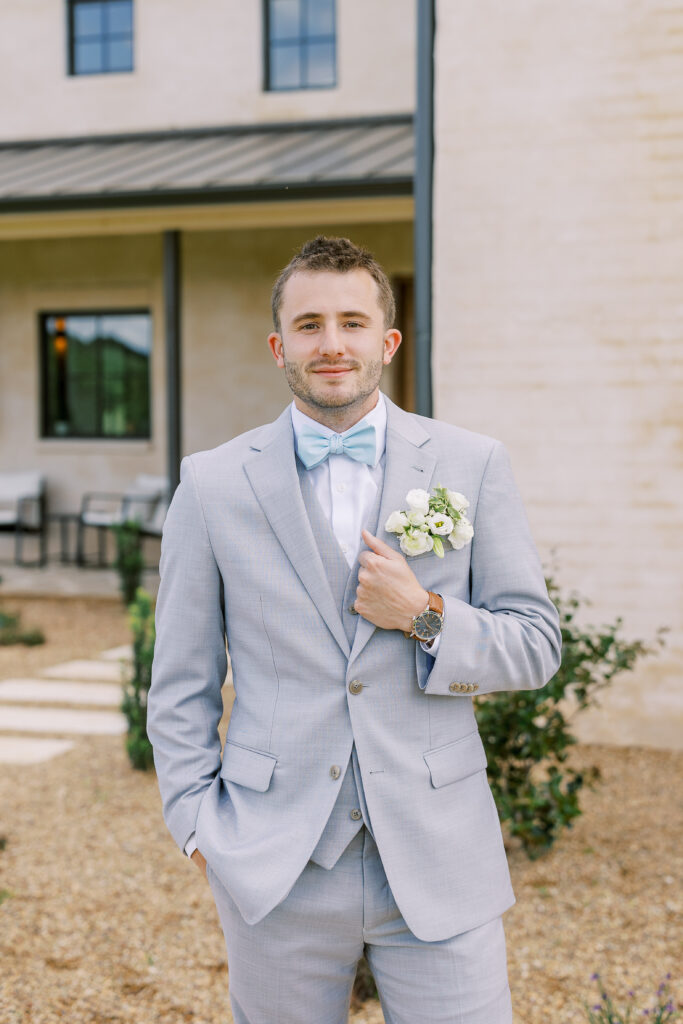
(346,490)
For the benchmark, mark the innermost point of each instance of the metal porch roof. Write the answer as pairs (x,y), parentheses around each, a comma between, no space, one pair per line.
(368,156)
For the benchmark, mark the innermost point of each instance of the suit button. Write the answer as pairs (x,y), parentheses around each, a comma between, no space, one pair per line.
(335,771)
(355,686)
(356,814)
(475,686)
(454,687)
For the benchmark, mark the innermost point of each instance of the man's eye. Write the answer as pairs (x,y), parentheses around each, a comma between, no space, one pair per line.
(306,326)
(352,323)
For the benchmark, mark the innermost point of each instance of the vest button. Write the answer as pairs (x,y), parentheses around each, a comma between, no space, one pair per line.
(355,686)
(356,814)
(335,771)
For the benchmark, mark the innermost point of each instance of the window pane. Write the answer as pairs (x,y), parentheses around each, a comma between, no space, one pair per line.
(120,17)
(88,57)
(97,375)
(285,19)
(320,18)
(88,20)
(320,64)
(285,67)
(119,55)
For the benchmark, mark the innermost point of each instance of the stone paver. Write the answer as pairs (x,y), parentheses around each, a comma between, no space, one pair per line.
(96,671)
(61,720)
(60,692)
(30,750)
(123,653)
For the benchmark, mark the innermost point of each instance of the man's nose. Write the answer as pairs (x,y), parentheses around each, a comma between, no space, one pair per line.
(331,341)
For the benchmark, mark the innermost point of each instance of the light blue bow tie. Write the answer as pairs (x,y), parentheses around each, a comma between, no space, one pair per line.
(358,443)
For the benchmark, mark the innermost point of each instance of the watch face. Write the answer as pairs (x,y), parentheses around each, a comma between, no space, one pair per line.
(428,625)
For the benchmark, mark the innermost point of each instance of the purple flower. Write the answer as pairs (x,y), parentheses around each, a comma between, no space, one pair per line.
(595,976)
(597,1006)
(631,993)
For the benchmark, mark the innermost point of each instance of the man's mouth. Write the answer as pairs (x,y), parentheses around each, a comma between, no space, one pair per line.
(333,371)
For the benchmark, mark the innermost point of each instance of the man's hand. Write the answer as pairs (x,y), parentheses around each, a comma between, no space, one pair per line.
(199,861)
(389,594)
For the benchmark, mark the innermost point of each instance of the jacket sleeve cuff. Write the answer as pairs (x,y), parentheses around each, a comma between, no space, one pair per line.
(190,845)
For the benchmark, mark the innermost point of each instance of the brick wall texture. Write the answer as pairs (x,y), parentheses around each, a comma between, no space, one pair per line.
(558,309)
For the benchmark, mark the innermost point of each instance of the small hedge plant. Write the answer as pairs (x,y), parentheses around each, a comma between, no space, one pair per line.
(134,703)
(527,735)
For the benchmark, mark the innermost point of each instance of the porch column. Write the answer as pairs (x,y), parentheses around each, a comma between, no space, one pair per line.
(171,274)
(424,161)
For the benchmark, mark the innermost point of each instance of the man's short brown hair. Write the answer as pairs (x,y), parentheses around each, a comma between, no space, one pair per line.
(339,255)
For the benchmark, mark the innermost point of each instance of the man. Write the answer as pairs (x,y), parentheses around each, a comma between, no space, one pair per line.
(351,812)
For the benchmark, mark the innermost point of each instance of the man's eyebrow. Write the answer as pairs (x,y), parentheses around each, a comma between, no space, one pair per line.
(318,316)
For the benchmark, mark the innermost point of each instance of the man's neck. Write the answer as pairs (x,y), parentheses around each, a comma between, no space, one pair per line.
(340,419)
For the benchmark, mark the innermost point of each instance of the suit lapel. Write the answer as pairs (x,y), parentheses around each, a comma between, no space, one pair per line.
(272,474)
(408,465)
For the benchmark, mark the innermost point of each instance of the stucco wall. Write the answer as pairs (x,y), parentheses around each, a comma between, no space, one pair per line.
(230,381)
(196,64)
(558,298)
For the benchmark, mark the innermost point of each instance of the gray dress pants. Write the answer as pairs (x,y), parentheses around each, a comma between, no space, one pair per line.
(297,965)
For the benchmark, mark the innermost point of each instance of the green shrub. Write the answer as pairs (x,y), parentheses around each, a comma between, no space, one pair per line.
(526,733)
(129,558)
(134,703)
(12,633)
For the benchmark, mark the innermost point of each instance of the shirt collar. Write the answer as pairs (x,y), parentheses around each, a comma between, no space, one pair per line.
(376,418)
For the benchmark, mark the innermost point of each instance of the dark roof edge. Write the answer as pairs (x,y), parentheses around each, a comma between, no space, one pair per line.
(234,129)
(358,189)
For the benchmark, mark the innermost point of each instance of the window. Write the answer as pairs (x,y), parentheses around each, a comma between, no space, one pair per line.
(95,374)
(301,45)
(100,36)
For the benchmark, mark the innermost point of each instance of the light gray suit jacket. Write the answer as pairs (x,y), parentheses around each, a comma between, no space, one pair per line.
(239,561)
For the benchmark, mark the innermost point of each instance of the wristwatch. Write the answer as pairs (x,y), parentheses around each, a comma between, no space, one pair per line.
(429,623)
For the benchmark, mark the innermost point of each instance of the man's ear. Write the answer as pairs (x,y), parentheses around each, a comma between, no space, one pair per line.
(275,346)
(392,339)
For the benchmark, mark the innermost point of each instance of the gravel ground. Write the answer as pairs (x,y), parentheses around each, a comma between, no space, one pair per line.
(104,920)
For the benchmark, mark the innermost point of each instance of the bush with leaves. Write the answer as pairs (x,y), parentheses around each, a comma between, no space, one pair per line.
(134,703)
(527,736)
(11,631)
(129,558)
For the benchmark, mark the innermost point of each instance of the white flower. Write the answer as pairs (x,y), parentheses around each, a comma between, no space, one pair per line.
(416,543)
(416,518)
(418,500)
(457,500)
(462,534)
(396,523)
(440,523)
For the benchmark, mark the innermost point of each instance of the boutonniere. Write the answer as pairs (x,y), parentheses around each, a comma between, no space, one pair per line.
(428,518)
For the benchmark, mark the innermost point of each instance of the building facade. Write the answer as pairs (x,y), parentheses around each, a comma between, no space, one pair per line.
(160,161)
(235,131)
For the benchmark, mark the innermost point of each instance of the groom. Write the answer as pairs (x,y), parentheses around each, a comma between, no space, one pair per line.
(350,812)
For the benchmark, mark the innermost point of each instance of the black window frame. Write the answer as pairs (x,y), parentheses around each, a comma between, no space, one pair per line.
(63,313)
(70,35)
(302,40)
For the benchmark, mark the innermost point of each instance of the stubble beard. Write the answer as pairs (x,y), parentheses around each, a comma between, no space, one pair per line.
(366,382)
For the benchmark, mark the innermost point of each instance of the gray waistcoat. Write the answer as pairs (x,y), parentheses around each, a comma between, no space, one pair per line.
(341,826)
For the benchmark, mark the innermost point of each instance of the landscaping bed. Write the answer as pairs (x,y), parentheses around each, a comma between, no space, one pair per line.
(103,919)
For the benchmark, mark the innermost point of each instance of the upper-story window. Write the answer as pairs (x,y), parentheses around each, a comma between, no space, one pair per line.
(100,36)
(301,44)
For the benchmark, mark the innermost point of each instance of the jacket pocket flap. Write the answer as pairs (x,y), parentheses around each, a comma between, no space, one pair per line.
(456,760)
(247,767)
